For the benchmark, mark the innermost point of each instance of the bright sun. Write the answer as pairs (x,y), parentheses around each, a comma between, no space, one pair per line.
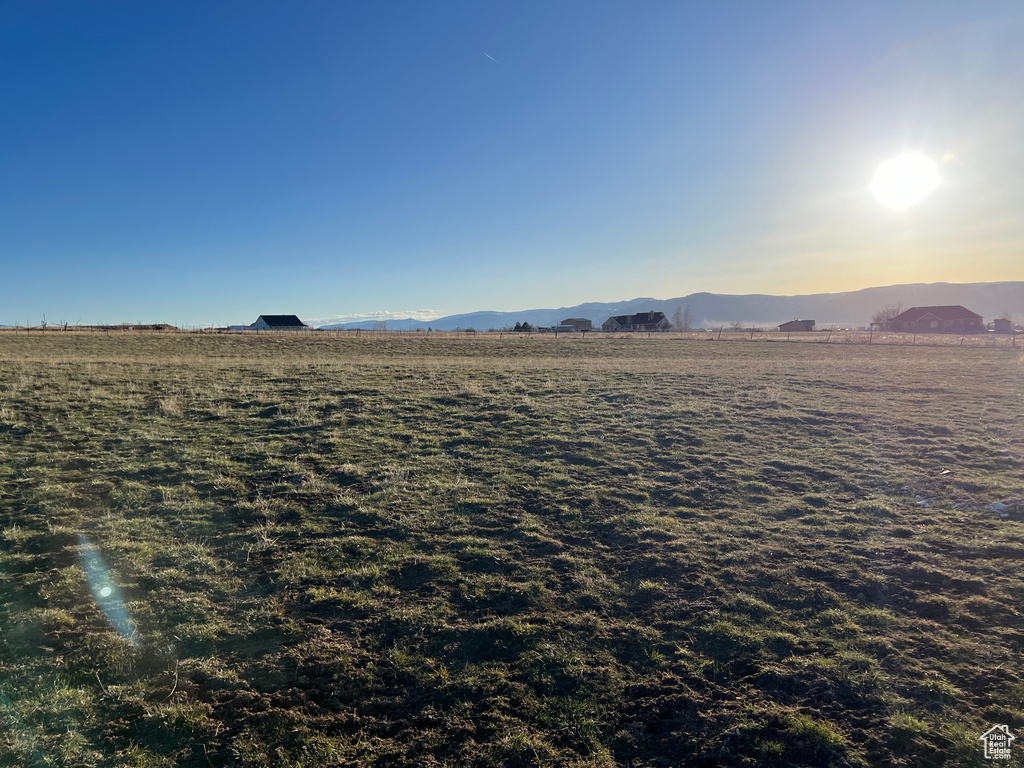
(904,180)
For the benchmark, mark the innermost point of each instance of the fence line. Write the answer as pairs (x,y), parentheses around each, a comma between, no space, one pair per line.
(718,335)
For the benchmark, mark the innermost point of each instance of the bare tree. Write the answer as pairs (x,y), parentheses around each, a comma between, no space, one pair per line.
(682,319)
(1004,315)
(885,315)
(736,325)
(380,325)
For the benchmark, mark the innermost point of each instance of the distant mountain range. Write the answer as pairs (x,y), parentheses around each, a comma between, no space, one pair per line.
(851,309)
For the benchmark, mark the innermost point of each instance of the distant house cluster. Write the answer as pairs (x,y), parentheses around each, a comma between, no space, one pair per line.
(644,321)
(938,319)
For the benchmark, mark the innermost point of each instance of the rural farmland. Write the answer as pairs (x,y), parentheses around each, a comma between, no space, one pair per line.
(315,550)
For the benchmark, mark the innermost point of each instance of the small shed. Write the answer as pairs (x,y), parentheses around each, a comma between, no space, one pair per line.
(1002,325)
(575,324)
(278,323)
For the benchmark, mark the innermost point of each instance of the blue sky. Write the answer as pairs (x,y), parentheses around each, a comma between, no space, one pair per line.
(207,162)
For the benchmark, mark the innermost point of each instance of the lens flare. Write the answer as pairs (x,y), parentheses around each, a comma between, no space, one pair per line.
(101,582)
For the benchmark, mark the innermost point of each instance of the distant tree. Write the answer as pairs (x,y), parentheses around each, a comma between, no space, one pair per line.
(1004,315)
(885,315)
(380,325)
(736,325)
(519,327)
(685,321)
(677,319)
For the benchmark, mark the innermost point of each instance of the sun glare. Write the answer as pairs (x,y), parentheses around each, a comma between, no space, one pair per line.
(904,180)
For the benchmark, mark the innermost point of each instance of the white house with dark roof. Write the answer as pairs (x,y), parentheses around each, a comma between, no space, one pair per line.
(278,323)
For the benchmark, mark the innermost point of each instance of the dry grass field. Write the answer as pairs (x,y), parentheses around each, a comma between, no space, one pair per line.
(356,551)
